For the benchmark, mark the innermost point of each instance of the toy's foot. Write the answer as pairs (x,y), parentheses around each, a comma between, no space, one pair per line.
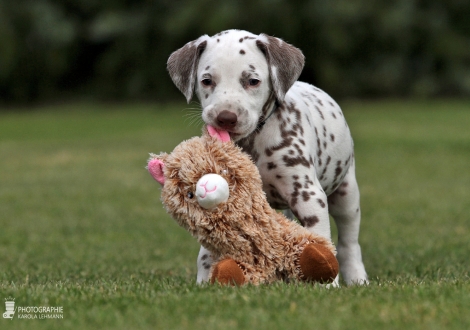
(318,264)
(227,272)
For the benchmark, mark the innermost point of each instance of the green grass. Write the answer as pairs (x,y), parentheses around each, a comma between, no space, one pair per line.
(81,225)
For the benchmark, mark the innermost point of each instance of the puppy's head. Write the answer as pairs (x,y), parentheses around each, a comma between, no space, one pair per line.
(237,77)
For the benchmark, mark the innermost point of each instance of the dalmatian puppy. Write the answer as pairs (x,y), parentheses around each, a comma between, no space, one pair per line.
(295,133)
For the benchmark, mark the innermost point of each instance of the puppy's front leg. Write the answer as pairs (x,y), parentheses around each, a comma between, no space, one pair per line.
(204,263)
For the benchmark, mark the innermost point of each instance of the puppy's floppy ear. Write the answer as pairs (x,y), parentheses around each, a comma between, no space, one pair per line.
(182,65)
(285,63)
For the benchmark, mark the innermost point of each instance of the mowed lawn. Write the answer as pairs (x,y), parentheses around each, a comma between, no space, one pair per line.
(82,226)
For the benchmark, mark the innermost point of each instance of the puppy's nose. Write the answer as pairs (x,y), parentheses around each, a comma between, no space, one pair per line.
(227,119)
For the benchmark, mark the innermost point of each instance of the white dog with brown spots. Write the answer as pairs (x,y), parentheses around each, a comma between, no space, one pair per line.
(295,133)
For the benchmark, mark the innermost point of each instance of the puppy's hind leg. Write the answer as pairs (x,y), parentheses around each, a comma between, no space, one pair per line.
(343,205)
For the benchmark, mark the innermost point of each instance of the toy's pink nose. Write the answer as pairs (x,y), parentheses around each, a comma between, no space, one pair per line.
(227,119)
(211,190)
(209,187)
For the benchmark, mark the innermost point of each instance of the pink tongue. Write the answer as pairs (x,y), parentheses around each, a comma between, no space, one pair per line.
(218,134)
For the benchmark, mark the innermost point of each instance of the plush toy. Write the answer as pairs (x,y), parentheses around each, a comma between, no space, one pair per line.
(214,190)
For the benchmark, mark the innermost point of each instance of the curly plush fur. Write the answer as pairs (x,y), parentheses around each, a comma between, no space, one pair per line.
(264,244)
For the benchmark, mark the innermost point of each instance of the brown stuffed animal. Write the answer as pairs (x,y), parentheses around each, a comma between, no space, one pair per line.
(214,190)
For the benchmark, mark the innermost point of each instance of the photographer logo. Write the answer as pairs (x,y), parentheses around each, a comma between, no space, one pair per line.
(31,312)
(10,308)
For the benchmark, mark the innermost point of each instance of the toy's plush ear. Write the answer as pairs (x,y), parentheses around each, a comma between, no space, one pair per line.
(155,167)
(285,63)
(218,134)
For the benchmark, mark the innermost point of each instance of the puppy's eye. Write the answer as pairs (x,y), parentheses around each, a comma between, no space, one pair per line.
(206,82)
(253,82)
(190,195)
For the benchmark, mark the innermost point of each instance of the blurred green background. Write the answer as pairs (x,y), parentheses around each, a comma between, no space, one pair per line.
(117,49)
(81,224)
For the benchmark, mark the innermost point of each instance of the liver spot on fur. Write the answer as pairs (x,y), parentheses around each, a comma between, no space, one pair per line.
(294,161)
(271,166)
(305,196)
(309,221)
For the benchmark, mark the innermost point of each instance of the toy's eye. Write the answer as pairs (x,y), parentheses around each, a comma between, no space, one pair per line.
(190,195)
